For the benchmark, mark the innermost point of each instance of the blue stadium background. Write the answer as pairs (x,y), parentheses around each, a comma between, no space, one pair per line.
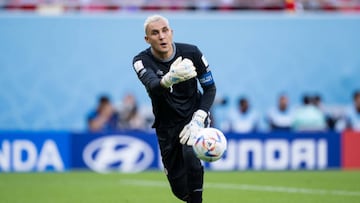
(52,68)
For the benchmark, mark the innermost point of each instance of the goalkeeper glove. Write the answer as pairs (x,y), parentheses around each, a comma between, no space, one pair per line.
(189,132)
(180,70)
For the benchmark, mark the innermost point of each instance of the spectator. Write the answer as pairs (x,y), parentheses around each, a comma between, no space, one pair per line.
(330,118)
(130,117)
(104,117)
(280,117)
(244,120)
(215,110)
(308,117)
(352,115)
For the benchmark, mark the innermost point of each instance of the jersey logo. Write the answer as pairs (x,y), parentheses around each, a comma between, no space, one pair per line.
(206,79)
(159,72)
(204,61)
(138,66)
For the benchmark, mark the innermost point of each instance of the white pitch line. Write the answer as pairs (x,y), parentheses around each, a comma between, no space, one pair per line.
(247,187)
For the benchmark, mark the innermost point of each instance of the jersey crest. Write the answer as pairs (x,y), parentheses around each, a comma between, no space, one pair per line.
(139,67)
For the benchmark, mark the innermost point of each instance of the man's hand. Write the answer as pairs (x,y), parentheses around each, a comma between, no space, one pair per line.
(180,70)
(189,132)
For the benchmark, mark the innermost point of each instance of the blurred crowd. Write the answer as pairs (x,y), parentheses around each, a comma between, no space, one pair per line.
(311,115)
(185,4)
(125,115)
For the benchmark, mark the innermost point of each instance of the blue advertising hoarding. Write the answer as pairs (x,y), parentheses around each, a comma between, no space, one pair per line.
(128,151)
(280,151)
(24,151)
(135,151)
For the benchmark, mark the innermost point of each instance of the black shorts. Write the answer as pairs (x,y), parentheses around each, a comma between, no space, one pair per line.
(183,169)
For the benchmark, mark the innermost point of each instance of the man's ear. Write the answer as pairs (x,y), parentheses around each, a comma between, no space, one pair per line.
(146,39)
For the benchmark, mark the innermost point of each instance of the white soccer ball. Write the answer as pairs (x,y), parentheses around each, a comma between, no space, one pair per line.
(210,144)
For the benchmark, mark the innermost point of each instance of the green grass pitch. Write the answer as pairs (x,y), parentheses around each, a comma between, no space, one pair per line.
(152,187)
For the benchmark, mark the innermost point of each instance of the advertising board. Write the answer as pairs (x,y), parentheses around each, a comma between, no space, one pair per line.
(34,151)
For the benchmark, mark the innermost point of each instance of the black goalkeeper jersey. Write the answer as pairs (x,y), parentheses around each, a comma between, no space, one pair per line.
(175,105)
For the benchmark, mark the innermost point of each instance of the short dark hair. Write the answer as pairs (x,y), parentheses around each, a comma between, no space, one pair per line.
(242,100)
(356,94)
(104,99)
(317,97)
(306,99)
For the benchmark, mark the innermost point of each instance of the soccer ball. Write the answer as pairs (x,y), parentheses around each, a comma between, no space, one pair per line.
(210,144)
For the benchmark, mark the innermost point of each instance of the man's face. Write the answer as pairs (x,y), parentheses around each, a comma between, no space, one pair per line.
(160,36)
(283,102)
(106,109)
(357,102)
(244,106)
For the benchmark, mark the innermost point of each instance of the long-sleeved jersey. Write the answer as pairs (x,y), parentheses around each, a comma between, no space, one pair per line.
(175,105)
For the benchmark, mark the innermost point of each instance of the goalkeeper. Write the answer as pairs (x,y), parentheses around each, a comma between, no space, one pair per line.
(170,73)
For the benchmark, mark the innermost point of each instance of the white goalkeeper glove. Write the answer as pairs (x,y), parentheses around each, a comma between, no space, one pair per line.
(180,70)
(189,132)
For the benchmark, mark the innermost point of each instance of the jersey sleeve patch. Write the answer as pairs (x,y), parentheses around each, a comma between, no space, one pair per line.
(206,79)
(204,61)
(138,66)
